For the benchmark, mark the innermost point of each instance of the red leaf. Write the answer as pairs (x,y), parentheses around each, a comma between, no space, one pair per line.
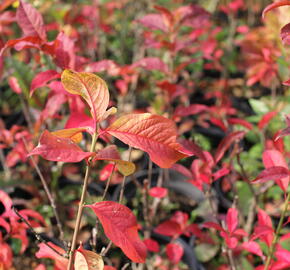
(14,85)
(158,192)
(55,148)
(151,245)
(52,105)
(78,120)
(218,122)
(213,225)
(6,201)
(181,218)
(183,170)
(30,20)
(275,5)
(193,149)
(22,43)
(226,143)
(283,255)
(45,252)
(154,22)
(220,173)
(253,247)
(28,213)
(42,78)
(151,63)
(6,255)
(4,224)
(106,172)
(266,119)
(285,34)
(169,228)
(264,219)
(242,122)
(275,158)
(272,173)
(120,226)
(108,267)
(151,133)
(174,252)
(232,219)
(231,242)
(104,65)
(40,267)
(190,110)
(287,83)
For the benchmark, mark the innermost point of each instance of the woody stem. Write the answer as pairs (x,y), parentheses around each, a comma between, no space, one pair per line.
(81,205)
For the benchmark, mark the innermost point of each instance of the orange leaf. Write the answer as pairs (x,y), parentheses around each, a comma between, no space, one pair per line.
(120,226)
(88,260)
(110,153)
(275,5)
(91,87)
(153,134)
(75,134)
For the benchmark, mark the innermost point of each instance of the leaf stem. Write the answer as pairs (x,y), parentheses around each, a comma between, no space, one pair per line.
(276,237)
(81,204)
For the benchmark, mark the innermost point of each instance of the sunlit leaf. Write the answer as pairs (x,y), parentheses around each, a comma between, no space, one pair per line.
(151,133)
(87,260)
(55,148)
(120,226)
(75,134)
(91,87)
(275,5)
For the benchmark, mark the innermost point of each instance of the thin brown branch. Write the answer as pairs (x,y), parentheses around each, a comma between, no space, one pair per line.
(47,192)
(37,236)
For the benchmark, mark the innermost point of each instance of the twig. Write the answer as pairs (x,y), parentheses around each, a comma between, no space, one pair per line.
(125,266)
(124,179)
(81,204)
(276,237)
(47,191)
(105,251)
(156,201)
(7,171)
(108,182)
(37,236)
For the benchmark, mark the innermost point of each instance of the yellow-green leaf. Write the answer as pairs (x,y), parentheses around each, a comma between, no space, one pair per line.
(91,87)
